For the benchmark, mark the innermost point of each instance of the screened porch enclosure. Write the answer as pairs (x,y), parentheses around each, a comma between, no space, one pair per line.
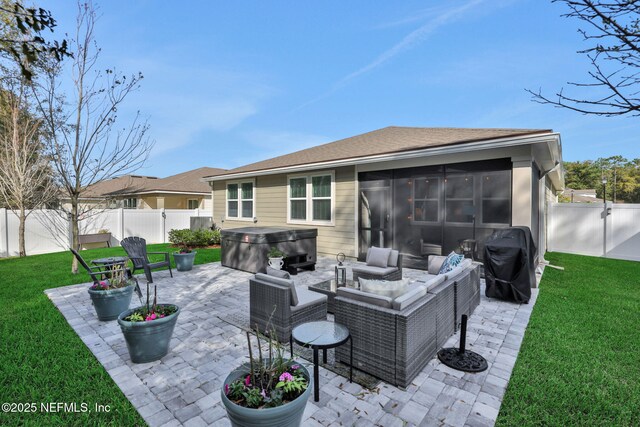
(434,209)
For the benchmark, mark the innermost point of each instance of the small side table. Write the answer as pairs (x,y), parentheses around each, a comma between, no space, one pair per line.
(321,335)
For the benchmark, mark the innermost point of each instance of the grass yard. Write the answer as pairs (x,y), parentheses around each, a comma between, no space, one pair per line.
(42,360)
(580,359)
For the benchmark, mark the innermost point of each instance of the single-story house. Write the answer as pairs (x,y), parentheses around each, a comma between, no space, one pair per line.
(185,190)
(418,190)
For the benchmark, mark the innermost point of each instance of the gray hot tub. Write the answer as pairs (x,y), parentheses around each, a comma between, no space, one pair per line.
(246,248)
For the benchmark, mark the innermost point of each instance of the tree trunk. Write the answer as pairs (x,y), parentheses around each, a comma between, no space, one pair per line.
(74,231)
(21,245)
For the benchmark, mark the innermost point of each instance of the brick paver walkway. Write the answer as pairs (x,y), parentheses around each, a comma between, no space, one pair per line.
(184,387)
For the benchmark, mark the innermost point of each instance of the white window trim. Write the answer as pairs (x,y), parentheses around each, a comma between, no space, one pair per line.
(240,200)
(309,196)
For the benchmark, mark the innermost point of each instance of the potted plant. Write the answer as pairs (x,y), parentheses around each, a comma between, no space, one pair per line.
(275,258)
(271,391)
(184,240)
(148,329)
(110,297)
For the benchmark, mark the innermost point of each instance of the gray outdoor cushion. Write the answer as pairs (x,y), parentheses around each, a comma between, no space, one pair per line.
(282,282)
(464,264)
(434,281)
(307,298)
(408,298)
(435,262)
(393,258)
(278,273)
(357,295)
(374,270)
(386,288)
(378,257)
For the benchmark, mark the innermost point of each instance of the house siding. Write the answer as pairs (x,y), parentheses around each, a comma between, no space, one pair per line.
(271,210)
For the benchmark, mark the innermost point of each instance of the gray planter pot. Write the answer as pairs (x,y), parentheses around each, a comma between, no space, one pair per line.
(109,304)
(288,415)
(184,262)
(148,341)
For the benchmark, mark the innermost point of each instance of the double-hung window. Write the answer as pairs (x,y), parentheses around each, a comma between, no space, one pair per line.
(240,200)
(130,203)
(311,198)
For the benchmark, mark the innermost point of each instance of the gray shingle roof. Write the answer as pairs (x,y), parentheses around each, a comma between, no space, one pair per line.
(185,182)
(389,140)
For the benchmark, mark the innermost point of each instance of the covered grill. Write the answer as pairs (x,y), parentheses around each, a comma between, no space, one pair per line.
(246,248)
(509,264)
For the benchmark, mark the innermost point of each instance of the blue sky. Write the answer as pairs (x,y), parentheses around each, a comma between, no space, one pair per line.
(230,83)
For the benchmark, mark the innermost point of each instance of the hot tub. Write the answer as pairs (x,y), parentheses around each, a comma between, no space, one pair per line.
(246,248)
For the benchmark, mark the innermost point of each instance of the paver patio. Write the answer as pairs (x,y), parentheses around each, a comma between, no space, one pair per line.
(184,387)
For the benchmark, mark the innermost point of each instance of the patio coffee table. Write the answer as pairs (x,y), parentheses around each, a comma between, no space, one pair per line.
(321,335)
(329,288)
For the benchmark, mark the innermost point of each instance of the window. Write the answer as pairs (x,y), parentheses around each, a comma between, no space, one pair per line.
(193,204)
(131,203)
(496,198)
(310,198)
(240,202)
(426,199)
(459,198)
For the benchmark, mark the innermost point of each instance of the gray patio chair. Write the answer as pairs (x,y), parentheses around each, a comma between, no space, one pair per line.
(375,268)
(104,271)
(276,304)
(136,249)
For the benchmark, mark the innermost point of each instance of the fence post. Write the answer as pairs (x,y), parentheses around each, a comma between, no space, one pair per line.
(163,225)
(4,225)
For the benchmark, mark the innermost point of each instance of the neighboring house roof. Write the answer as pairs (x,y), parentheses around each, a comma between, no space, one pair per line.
(582,196)
(183,183)
(121,185)
(381,142)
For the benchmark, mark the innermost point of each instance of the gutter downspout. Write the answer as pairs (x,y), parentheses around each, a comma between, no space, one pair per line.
(543,176)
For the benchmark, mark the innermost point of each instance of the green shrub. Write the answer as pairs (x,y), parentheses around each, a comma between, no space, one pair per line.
(188,239)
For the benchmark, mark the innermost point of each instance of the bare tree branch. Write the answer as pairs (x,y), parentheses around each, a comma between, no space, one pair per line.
(87,147)
(614,57)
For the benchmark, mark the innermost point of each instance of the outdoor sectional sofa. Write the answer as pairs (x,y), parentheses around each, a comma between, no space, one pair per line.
(393,339)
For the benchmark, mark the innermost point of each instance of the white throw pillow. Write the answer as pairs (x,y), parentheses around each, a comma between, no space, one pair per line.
(386,288)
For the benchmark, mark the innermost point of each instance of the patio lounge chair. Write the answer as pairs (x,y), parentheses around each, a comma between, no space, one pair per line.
(97,273)
(381,264)
(136,249)
(275,303)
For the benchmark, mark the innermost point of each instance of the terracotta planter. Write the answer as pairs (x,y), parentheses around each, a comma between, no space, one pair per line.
(287,415)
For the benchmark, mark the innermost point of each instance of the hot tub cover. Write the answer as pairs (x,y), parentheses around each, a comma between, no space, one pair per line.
(509,264)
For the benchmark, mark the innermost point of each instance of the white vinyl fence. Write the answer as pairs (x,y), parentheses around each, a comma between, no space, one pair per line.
(581,229)
(50,230)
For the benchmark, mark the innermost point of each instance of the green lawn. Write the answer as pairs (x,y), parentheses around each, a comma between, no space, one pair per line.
(42,360)
(580,359)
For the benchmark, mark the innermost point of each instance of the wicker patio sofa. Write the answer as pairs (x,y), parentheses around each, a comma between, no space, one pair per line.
(391,269)
(275,303)
(393,339)
(391,344)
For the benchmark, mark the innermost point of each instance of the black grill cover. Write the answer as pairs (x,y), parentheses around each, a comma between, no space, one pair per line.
(510,264)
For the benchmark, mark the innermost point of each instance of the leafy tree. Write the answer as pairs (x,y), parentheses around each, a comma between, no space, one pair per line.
(85,145)
(21,35)
(613,29)
(623,177)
